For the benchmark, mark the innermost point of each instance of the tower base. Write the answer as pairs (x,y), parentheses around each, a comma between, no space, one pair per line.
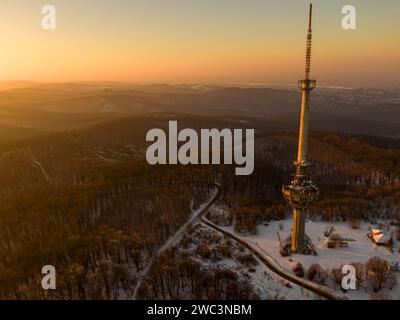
(298,231)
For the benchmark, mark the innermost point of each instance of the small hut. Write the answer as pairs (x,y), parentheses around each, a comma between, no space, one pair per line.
(380,238)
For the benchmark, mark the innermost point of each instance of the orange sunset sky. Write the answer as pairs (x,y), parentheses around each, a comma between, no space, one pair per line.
(209,41)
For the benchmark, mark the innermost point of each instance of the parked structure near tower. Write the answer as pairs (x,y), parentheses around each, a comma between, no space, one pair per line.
(301,192)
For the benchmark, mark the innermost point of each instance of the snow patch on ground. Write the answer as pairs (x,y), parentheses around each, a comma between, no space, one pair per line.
(267,284)
(360,250)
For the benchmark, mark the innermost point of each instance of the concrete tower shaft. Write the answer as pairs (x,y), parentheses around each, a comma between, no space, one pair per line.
(305,86)
(302,192)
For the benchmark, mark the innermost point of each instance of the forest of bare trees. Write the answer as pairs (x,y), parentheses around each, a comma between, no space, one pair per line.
(98,212)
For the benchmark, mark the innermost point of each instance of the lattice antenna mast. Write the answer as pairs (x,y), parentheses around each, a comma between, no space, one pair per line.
(309,45)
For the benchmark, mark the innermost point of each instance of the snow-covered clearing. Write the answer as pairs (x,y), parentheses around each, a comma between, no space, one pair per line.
(360,250)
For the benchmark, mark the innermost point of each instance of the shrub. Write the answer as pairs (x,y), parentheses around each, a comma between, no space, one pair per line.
(203,250)
(337,276)
(317,274)
(355,223)
(247,260)
(298,270)
(377,271)
(360,271)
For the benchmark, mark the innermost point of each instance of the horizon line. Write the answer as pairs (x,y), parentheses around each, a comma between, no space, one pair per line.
(195,83)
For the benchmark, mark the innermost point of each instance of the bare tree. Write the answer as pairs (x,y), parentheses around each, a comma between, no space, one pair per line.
(378,272)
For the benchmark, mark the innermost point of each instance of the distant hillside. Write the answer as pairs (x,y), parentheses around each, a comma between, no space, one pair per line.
(64,106)
(7,85)
(13,134)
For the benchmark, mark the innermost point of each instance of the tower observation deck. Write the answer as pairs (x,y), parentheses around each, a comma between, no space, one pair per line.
(301,192)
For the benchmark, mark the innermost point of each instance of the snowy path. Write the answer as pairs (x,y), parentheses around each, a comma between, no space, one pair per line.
(196,217)
(42,170)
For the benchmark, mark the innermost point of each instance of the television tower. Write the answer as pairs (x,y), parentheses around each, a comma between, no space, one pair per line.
(301,192)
